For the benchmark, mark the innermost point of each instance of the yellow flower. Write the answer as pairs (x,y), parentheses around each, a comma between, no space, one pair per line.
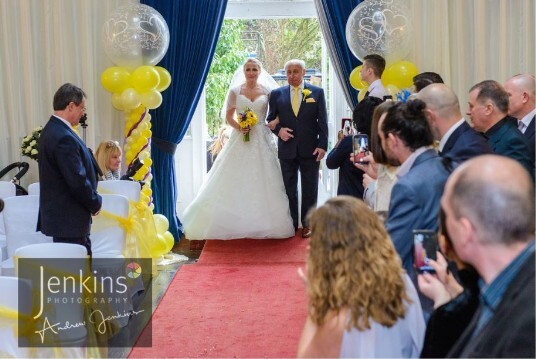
(305,93)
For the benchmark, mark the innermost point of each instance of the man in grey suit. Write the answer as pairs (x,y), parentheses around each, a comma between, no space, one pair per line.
(407,139)
(488,109)
(457,140)
(489,215)
(67,173)
(522,103)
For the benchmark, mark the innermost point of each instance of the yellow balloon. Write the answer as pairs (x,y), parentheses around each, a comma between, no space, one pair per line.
(117,102)
(400,74)
(148,162)
(130,99)
(169,240)
(147,191)
(129,156)
(115,79)
(165,78)
(147,133)
(151,99)
(355,79)
(145,78)
(161,223)
(361,94)
(159,246)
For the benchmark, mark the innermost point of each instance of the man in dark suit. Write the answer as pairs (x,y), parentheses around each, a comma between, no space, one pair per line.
(302,134)
(457,140)
(67,173)
(489,208)
(488,109)
(522,103)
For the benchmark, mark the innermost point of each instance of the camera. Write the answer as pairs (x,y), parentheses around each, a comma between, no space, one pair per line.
(133,168)
(83,120)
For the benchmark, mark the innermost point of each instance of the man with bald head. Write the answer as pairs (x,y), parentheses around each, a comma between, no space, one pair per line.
(489,207)
(457,140)
(521,91)
(488,109)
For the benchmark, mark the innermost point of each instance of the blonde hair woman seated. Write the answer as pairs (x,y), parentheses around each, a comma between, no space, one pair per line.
(361,301)
(109,159)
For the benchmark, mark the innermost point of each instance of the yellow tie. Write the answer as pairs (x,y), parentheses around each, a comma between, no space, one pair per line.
(295,101)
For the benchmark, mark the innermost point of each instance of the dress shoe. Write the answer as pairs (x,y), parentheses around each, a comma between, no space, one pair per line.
(306,232)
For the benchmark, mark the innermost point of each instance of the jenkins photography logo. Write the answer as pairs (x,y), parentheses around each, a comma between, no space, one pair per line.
(83,303)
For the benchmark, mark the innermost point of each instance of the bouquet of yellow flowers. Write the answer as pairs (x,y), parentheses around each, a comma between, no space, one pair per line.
(28,146)
(246,119)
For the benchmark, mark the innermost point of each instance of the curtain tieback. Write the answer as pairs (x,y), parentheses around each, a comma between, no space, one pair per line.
(163,145)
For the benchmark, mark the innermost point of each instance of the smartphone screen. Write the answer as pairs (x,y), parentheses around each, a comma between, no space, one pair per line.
(424,248)
(360,147)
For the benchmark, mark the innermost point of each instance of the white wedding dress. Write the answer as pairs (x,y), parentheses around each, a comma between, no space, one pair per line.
(243,195)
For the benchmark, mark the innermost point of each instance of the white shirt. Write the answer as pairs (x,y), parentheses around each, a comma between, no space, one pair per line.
(446,136)
(376,89)
(406,166)
(526,120)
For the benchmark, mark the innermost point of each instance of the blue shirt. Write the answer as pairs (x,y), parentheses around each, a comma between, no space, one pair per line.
(491,294)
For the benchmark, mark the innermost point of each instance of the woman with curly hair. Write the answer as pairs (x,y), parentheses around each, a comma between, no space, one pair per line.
(361,301)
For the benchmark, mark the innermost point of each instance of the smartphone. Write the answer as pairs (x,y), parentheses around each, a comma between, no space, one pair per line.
(346,126)
(425,246)
(360,146)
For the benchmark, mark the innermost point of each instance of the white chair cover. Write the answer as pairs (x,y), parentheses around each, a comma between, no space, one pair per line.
(9,301)
(108,239)
(20,217)
(33,189)
(7,189)
(107,236)
(72,341)
(129,189)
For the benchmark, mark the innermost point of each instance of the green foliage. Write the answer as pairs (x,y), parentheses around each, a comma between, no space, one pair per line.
(228,56)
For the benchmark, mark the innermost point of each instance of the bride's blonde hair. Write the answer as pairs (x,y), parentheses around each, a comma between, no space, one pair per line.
(252,60)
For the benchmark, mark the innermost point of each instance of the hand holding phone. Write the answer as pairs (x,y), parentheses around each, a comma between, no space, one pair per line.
(425,246)
(360,146)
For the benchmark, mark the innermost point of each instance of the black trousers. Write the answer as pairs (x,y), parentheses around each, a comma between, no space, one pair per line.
(84,241)
(308,168)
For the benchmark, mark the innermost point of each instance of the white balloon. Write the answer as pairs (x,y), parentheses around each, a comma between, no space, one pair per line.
(135,35)
(380,27)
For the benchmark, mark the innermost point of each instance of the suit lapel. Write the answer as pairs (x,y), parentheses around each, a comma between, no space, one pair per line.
(454,136)
(529,132)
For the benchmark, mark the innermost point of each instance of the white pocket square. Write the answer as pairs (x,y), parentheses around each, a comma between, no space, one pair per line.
(310,100)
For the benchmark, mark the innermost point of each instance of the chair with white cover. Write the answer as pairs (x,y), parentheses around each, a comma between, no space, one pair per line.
(129,189)
(7,189)
(20,222)
(108,239)
(68,260)
(33,189)
(107,235)
(9,306)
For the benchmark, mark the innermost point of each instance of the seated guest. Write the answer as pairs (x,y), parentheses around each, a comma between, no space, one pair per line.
(488,109)
(359,306)
(489,211)
(217,144)
(350,177)
(380,173)
(424,79)
(109,160)
(454,304)
(522,105)
(457,140)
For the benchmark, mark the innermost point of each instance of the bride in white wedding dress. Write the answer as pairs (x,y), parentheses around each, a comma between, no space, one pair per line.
(243,195)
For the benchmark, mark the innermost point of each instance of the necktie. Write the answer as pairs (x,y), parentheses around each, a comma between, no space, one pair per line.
(521,126)
(295,101)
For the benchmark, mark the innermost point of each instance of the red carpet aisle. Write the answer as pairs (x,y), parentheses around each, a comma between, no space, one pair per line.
(242,299)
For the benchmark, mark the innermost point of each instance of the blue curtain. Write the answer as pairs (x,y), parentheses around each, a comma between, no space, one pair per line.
(194,27)
(333,15)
